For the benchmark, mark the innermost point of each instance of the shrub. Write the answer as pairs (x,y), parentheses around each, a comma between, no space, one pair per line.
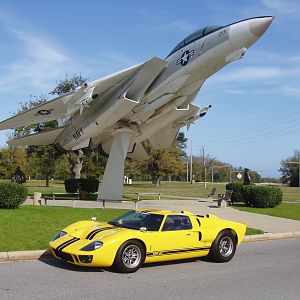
(12,195)
(90,185)
(237,188)
(264,196)
(246,193)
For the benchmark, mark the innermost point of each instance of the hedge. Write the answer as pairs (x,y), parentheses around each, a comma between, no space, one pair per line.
(12,195)
(264,196)
(90,185)
(254,195)
(237,188)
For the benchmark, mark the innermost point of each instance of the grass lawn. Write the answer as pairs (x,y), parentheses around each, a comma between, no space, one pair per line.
(284,210)
(166,188)
(32,227)
(251,231)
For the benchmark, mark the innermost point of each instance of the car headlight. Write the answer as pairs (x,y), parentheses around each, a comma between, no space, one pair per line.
(92,246)
(59,235)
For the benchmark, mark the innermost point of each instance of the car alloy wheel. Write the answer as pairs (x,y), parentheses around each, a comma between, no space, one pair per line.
(131,256)
(226,246)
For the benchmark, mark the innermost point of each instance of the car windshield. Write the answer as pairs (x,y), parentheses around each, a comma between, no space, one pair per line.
(139,220)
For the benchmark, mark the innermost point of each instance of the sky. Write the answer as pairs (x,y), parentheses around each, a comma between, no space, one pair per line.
(254,121)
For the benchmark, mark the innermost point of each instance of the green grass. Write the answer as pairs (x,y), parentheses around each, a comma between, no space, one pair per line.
(173,188)
(290,193)
(284,210)
(32,227)
(252,231)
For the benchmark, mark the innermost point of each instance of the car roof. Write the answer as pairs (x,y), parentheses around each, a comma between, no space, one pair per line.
(164,212)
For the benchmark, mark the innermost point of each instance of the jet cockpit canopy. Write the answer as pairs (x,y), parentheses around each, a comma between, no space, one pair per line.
(195,36)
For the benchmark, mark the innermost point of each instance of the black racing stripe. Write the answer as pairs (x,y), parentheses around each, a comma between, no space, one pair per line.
(64,245)
(168,252)
(88,236)
(94,232)
(66,242)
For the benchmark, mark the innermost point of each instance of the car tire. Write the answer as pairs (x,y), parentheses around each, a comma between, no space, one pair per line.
(129,257)
(223,248)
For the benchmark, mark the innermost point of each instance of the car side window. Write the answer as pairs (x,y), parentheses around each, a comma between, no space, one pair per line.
(175,222)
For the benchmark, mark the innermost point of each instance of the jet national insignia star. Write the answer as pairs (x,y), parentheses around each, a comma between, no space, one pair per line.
(184,59)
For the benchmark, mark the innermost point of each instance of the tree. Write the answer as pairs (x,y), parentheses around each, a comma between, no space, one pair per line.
(290,171)
(163,162)
(10,158)
(70,83)
(45,158)
(64,86)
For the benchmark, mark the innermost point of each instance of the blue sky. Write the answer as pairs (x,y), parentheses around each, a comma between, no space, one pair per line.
(254,121)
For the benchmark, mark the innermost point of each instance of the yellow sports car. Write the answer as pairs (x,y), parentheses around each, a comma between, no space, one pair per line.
(147,236)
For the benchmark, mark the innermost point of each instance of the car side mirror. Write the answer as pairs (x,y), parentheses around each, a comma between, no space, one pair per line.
(143,229)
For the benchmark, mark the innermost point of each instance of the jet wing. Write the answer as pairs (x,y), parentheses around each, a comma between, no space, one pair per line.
(60,107)
(48,111)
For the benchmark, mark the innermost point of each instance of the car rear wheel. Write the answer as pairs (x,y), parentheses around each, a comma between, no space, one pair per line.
(223,248)
(129,257)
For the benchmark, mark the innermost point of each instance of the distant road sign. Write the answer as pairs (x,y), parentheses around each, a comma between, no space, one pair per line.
(239,176)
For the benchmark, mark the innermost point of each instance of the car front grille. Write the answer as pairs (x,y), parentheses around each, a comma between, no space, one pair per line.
(63,255)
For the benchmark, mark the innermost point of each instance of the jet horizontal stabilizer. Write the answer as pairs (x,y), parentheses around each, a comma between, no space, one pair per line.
(42,138)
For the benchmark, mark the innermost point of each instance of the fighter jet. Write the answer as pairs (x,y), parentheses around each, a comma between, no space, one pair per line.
(144,106)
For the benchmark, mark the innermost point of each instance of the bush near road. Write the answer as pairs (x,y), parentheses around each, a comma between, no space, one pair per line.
(12,195)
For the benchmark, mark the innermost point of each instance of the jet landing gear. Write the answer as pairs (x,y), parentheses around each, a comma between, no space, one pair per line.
(111,187)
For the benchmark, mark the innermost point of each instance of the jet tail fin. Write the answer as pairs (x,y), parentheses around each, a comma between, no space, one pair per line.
(42,138)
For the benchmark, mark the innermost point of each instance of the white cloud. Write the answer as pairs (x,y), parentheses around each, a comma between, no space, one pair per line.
(283,6)
(250,74)
(292,90)
(38,64)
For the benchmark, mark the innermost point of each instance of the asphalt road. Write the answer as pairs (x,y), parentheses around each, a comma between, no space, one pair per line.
(261,270)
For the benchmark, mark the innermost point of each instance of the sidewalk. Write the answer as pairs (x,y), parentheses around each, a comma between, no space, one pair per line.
(264,222)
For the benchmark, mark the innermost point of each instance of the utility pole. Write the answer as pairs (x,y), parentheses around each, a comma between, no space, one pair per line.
(191,163)
(187,169)
(204,166)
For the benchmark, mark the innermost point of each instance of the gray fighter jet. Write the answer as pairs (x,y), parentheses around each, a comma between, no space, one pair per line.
(144,106)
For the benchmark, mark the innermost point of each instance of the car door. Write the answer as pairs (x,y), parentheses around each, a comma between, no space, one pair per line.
(176,240)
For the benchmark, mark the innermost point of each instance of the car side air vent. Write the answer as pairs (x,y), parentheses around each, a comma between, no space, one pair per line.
(200,236)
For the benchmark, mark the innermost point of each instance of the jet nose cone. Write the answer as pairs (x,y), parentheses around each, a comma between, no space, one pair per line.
(258,26)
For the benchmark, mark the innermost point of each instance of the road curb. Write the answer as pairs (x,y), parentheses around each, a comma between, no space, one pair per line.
(46,254)
(271,236)
(25,255)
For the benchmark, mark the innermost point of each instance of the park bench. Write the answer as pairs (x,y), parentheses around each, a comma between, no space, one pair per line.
(118,201)
(224,199)
(60,196)
(147,194)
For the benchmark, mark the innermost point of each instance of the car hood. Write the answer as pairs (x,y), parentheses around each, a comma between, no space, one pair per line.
(95,231)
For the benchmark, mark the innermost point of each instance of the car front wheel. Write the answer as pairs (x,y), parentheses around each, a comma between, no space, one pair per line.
(223,247)
(129,257)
